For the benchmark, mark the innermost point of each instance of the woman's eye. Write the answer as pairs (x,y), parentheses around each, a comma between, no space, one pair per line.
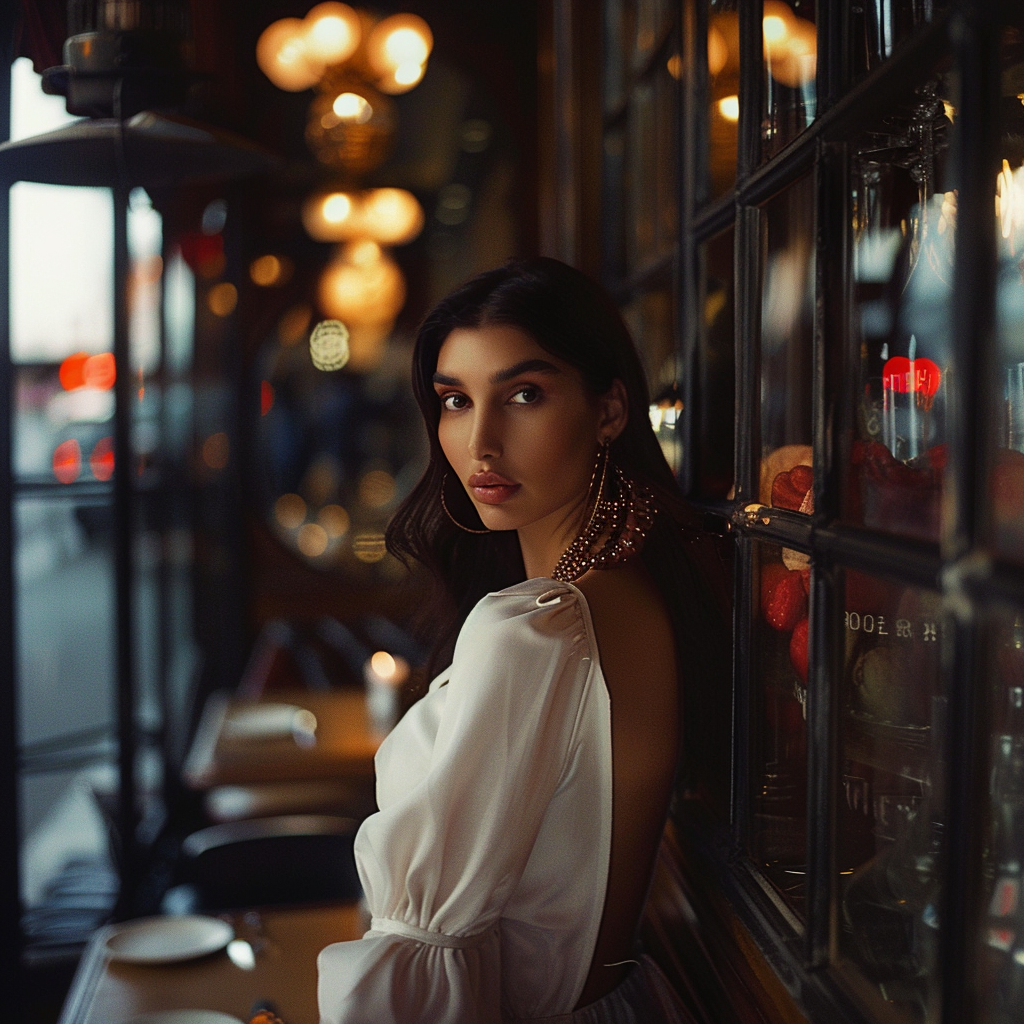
(525,396)
(454,402)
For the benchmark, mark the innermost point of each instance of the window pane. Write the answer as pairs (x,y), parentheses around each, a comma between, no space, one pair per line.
(641,158)
(878,27)
(1007,446)
(65,644)
(780,640)
(904,215)
(891,810)
(716,385)
(790,48)
(787,335)
(1001,930)
(723,93)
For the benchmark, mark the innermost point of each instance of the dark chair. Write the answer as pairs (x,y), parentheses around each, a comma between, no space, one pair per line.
(294,858)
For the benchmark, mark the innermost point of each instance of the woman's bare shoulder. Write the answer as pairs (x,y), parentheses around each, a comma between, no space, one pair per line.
(626,599)
(631,623)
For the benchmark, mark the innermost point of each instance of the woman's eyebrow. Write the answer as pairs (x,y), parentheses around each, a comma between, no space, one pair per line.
(526,366)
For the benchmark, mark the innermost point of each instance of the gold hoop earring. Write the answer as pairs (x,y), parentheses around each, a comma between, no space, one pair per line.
(616,527)
(447,511)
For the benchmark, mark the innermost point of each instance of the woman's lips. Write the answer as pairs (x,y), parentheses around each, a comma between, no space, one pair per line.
(492,488)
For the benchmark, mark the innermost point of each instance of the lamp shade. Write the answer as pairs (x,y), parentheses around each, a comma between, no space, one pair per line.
(157,151)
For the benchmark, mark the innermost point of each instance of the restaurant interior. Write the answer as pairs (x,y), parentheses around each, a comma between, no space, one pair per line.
(225,221)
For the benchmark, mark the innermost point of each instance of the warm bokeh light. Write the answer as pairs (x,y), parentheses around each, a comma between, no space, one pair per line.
(101,459)
(216,450)
(352,108)
(402,79)
(266,271)
(376,488)
(398,48)
(333,32)
(290,511)
(790,45)
(330,217)
(283,56)
(335,521)
(362,285)
(266,397)
(383,664)
(729,107)
(718,51)
(294,323)
(312,540)
(369,547)
(328,345)
(775,29)
(388,216)
(99,371)
(398,40)
(67,461)
(391,216)
(222,299)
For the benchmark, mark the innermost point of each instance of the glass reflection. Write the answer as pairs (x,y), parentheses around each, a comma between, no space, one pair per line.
(904,217)
(787,334)
(790,47)
(1007,460)
(891,809)
(715,394)
(337,453)
(781,635)
(1002,927)
(723,93)
(879,26)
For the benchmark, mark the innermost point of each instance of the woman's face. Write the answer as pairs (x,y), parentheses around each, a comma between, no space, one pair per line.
(521,431)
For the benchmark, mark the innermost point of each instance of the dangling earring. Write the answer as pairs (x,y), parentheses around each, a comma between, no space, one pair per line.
(448,513)
(622,520)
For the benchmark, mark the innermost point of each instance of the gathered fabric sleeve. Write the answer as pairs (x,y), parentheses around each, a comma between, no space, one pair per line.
(440,859)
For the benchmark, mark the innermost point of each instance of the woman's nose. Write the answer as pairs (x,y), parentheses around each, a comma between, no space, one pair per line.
(484,440)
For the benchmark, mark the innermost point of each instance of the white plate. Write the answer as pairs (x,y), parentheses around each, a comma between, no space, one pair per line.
(184,1017)
(166,940)
(261,721)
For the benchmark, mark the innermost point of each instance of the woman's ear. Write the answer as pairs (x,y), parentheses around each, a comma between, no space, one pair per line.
(613,408)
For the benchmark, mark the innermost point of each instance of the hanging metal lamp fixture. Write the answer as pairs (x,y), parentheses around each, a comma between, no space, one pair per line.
(122,60)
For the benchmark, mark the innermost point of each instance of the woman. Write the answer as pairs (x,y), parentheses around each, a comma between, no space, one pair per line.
(523,798)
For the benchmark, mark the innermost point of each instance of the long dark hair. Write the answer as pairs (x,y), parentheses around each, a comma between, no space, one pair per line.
(573,318)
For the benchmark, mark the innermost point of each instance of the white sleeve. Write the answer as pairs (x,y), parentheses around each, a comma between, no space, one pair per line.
(439,862)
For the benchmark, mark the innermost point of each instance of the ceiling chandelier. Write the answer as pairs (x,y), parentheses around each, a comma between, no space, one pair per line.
(355,63)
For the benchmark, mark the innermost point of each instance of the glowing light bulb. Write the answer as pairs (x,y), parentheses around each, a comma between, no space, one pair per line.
(353,108)
(283,56)
(392,216)
(397,49)
(332,32)
(729,107)
(337,207)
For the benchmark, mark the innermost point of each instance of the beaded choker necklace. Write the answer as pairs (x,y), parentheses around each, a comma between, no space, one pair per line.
(616,528)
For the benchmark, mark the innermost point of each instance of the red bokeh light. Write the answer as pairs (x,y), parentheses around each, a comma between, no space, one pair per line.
(67,461)
(82,370)
(72,371)
(99,371)
(266,397)
(101,459)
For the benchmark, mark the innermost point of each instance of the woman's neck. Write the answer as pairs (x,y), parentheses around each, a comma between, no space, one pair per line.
(543,542)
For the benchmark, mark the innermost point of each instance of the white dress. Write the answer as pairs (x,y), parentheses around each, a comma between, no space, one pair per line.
(486,867)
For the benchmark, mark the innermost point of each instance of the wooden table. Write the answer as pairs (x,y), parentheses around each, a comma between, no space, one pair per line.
(345,743)
(106,991)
